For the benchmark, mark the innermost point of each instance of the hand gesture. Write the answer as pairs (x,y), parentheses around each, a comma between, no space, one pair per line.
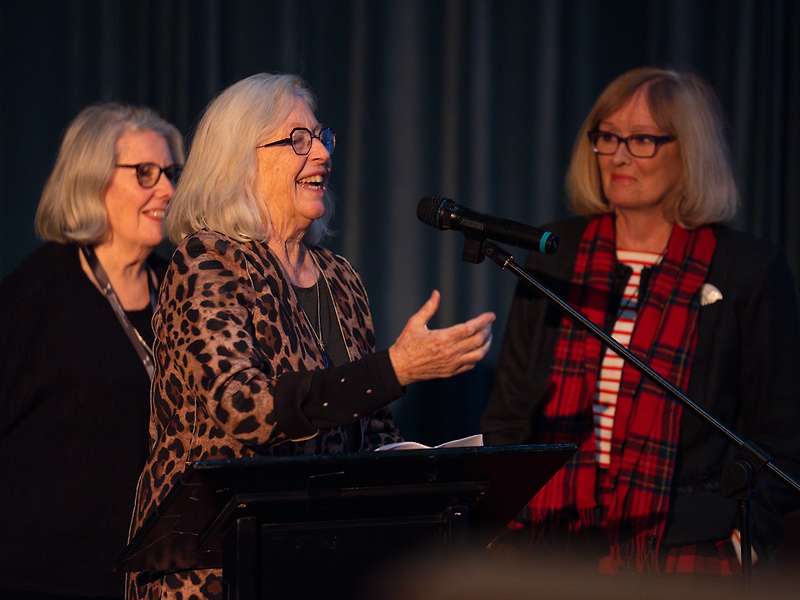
(420,353)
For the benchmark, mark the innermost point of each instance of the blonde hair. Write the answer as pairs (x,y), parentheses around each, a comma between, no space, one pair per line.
(72,206)
(217,188)
(683,105)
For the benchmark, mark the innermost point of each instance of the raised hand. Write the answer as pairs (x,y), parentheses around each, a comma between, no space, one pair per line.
(420,353)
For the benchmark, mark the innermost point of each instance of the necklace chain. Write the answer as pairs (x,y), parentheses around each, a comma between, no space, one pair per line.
(317,331)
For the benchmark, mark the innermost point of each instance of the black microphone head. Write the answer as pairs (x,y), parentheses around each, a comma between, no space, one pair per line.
(429,211)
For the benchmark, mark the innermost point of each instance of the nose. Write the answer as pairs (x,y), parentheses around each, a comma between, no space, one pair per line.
(318,152)
(164,187)
(622,156)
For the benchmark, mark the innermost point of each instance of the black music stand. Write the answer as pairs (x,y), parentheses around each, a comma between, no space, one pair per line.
(276,524)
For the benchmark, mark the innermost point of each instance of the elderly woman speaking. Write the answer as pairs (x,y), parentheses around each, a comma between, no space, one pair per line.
(264,340)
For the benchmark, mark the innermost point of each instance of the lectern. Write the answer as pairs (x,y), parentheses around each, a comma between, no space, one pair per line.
(290,524)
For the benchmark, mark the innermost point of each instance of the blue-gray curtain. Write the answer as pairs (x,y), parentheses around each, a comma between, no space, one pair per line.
(473,99)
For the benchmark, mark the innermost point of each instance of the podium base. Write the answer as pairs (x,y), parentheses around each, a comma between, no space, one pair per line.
(264,560)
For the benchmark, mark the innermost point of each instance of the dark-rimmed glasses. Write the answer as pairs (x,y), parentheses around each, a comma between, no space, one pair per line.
(301,139)
(640,145)
(148,173)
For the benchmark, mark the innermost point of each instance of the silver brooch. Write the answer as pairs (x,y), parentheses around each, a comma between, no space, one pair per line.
(709,294)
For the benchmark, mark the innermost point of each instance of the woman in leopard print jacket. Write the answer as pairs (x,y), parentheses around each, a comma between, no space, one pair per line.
(264,339)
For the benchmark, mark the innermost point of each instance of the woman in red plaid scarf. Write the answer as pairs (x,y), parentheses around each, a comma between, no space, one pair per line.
(712,310)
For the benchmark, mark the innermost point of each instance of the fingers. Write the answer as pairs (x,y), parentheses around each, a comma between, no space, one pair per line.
(466,360)
(420,353)
(482,320)
(473,358)
(473,342)
(469,328)
(477,354)
(427,310)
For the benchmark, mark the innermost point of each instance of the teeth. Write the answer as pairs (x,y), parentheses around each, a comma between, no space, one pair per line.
(312,179)
(159,213)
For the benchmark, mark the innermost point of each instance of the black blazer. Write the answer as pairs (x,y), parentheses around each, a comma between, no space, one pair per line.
(73,427)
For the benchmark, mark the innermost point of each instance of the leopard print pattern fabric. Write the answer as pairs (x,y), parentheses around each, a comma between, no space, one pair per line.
(227,326)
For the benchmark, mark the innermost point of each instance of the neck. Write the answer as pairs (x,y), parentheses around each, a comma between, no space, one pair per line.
(125,268)
(642,231)
(290,251)
(294,257)
(122,262)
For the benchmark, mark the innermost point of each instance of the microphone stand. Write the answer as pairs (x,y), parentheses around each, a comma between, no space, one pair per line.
(737,479)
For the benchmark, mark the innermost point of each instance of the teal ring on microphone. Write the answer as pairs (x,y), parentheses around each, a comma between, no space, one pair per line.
(543,242)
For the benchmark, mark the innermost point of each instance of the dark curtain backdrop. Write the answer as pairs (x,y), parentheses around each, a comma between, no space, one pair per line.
(476,100)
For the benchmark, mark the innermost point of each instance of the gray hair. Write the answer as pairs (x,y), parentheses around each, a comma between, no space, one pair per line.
(217,187)
(685,106)
(72,205)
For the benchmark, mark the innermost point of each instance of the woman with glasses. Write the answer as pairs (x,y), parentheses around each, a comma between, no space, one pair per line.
(76,366)
(264,338)
(712,310)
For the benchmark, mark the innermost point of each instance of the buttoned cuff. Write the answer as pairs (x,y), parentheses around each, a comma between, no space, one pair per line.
(307,402)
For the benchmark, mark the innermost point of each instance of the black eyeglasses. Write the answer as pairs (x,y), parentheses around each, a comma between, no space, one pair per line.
(640,145)
(301,139)
(148,174)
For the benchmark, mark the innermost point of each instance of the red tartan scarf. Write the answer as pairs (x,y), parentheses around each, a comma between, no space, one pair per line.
(634,505)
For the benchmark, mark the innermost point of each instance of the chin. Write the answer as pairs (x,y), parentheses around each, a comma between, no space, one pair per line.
(151,241)
(314,211)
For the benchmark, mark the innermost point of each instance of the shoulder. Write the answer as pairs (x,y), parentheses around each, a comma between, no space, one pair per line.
(207,250)
(744,246)
(48,264)
(207,242)
(745,257)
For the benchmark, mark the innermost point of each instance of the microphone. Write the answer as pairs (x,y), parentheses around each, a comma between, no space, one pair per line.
(443,213)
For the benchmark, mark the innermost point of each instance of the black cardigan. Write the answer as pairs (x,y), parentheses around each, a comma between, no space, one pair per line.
(744,373)
(73,428)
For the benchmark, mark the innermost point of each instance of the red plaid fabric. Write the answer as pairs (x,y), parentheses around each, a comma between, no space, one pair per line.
(709,558)
(646,424)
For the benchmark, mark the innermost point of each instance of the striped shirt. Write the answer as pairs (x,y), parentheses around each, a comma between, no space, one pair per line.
(605,400)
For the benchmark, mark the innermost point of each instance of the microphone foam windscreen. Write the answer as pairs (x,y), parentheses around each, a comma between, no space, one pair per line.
(428,211)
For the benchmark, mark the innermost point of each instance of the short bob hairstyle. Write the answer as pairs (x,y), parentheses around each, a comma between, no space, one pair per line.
(217,190)
(72,206)
(683,105)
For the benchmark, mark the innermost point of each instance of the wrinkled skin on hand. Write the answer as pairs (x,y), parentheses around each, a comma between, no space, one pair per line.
(420,353)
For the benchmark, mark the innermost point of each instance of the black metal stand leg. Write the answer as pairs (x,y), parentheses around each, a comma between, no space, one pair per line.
(737,482)
(746,543)
(241,562)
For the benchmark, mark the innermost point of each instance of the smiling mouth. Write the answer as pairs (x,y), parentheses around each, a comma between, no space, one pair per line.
(155,213)
(313,182)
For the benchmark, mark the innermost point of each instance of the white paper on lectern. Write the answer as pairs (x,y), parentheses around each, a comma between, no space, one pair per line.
(466,442)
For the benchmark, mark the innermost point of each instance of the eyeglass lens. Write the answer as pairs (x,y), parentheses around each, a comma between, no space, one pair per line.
(641,146)
(148,174)
(302,139)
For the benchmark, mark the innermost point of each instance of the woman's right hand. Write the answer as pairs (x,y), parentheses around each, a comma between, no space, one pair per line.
(420,353)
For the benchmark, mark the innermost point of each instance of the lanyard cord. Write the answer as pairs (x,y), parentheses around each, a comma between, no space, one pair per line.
(141,347)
